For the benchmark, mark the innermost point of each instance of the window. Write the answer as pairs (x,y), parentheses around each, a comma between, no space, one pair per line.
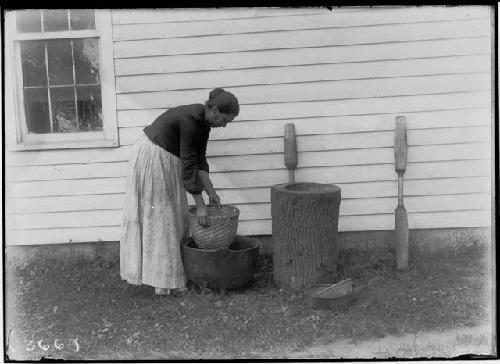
(63,78)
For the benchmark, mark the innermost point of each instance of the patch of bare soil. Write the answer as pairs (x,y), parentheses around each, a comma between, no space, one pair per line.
(82,310)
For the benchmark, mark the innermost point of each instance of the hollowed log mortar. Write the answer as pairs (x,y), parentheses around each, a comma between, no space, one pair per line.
(304,229)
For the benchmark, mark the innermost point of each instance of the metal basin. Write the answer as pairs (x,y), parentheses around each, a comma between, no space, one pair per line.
(223,268)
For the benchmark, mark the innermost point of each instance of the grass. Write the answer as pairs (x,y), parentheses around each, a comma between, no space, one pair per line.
(86,300)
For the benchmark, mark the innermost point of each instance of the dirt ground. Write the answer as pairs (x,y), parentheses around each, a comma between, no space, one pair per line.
(82,310)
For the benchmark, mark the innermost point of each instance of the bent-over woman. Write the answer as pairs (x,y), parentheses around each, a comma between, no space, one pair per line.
(167,160)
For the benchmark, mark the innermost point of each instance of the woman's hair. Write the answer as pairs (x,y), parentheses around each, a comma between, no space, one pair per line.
(225,101)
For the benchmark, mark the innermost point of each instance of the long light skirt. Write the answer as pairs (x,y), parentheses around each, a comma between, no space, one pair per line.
(155,218)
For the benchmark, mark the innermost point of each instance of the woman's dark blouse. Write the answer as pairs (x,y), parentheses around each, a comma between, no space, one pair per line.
(184,132)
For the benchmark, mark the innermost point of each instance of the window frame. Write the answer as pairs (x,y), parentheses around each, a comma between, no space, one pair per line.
(108,137)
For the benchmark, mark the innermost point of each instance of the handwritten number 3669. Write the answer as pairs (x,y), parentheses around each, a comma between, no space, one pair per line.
(57,345)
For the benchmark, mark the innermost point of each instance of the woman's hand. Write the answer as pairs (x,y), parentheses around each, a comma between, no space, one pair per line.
(201,210)
(214,198)
(202,214)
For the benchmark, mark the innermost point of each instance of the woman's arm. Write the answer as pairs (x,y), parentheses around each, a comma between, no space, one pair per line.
(189,145)
(209,187)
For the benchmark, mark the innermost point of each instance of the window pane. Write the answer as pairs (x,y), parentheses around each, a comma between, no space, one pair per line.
(29,21)
(36,108)
(86,53)
(33,63)
(60,62)
(89,107)
(55,20)
(82,19)
(63,109)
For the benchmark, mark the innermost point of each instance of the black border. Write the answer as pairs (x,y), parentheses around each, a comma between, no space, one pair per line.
(288,4)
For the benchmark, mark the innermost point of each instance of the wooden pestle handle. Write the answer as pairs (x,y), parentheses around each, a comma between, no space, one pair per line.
(290,150)
(401,217)
(400,145)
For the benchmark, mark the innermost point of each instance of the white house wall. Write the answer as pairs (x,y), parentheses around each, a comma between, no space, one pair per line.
(341,76)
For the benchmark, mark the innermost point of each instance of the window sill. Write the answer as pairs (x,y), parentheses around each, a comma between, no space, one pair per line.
(64,145)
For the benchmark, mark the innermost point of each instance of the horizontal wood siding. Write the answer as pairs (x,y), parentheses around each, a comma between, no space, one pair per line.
(341,76)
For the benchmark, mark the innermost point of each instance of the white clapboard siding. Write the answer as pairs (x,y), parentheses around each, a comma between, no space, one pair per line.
(435,119)
(425,187)
(366,155)
(345,174)
(386,221)
(477,218)
(64,219)
(68,172)
(103,186)
(432,153)
(62,235)
(355,190)
(57,156)
(291,57)
(448,135)
(98,218)
(346,223)
(316,91)
(349,207)
(358,149)
(269,129)
(351,191)
(30,205)
(372,206)
(348,174)
(369,139)
(303,73)
(328,125)
(144,16)
(373,105)
(355,157)
(449,169)
(341,76)
(397,104)
(416,204)
(324,142)
(303,38)
(325,19)
(376,139)
(94,186)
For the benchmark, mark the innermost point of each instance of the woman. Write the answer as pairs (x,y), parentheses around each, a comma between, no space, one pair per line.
(168,160)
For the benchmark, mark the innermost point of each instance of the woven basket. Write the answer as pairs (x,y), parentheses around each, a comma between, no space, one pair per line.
(221,231)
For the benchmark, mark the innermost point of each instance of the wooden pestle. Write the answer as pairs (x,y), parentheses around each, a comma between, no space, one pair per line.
(401,217)
(290,150)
